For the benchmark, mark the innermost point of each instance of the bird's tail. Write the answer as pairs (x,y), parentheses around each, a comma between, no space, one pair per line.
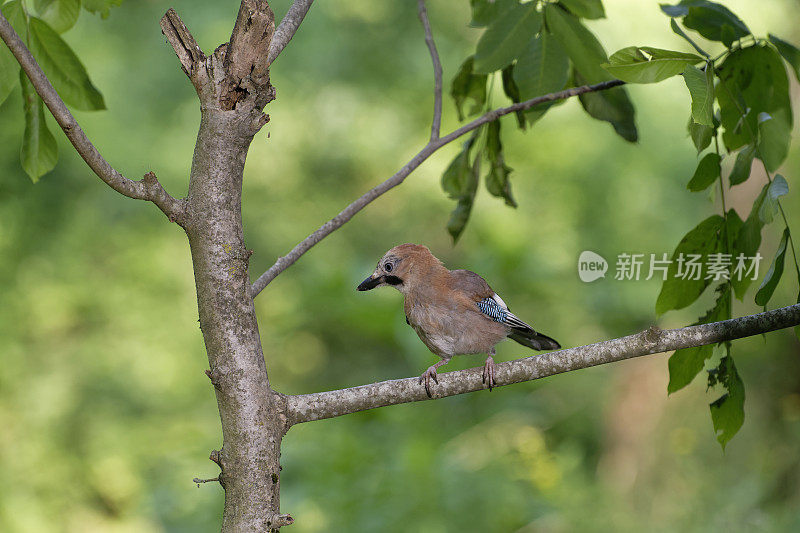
(534,340)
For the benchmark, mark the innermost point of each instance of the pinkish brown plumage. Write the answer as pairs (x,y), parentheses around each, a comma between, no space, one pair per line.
(454,312)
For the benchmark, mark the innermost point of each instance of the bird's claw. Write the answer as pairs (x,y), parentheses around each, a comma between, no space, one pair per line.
(426,377)
(488,373)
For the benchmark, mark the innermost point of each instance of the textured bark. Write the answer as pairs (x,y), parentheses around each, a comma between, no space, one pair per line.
(233,89)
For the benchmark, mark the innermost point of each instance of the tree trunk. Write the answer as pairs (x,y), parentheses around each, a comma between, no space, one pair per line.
(252,414)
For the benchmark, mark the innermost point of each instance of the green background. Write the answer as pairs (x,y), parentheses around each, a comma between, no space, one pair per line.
(106,415)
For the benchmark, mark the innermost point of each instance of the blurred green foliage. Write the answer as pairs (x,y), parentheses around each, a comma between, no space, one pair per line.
(105,412)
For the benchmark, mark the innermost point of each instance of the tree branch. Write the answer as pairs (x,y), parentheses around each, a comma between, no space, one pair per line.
(321,405)
(186,48)
(437,70)
(348,212)
(288,27)
(148,188)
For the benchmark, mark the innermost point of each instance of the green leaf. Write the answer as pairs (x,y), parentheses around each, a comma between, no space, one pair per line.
(587,56)
(741,168)
(9,68)
(748,241)
(9,72)
(39,149)
(468,86)
(677,292)
(753,81)
(772,192)
(644,64)
(701,135)
(678,31)
(61,15)
(497,182)
(727,412)
(103,7)
(512,91)
(686,363)
(789,52)
(585,9)
(701,88)
(713,21)
(505,38)
(63,68)
(460,182)
(542,68)
(708,171)
(774,138)
(774,273)
(468,181)
(484,12)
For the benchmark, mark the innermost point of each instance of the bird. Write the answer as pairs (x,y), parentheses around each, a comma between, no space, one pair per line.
(454,312)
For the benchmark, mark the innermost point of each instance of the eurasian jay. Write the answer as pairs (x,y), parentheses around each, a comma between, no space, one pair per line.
(454,312)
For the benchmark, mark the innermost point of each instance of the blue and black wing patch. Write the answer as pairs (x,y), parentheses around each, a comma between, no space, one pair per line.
(521,332)
(493,310)
(498,312)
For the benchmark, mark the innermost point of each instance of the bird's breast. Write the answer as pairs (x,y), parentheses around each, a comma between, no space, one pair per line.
(448,328)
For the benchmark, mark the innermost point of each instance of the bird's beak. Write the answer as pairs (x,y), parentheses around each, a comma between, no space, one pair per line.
(370,283)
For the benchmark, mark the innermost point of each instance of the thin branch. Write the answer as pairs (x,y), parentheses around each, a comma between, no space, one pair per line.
(288,27)
(321,405)
(348,212)
(210,480)
(148,188)
(437,70)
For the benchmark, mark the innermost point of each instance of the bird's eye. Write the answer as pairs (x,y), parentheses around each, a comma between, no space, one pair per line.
(387,267)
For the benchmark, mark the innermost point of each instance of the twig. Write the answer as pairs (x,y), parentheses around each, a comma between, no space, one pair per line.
(321,405)
(348,212)
(148,188)
(288,27)
(437,70)
(210,480)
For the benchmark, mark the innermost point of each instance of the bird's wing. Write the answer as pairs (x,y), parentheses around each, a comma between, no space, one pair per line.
(496,309)
(488,301)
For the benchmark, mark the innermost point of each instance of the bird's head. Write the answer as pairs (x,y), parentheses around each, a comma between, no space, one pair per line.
(401,267)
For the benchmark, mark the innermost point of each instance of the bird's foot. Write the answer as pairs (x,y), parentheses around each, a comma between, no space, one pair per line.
(488,373)
(426,377)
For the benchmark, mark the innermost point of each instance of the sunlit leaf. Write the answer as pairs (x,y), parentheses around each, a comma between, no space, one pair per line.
(63,68)
(741,168)
(774,273)
(707,172)
(701,135)
(701,88)
(644,64)
(585,9)
(505,38)
(39,152)
(61,15)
